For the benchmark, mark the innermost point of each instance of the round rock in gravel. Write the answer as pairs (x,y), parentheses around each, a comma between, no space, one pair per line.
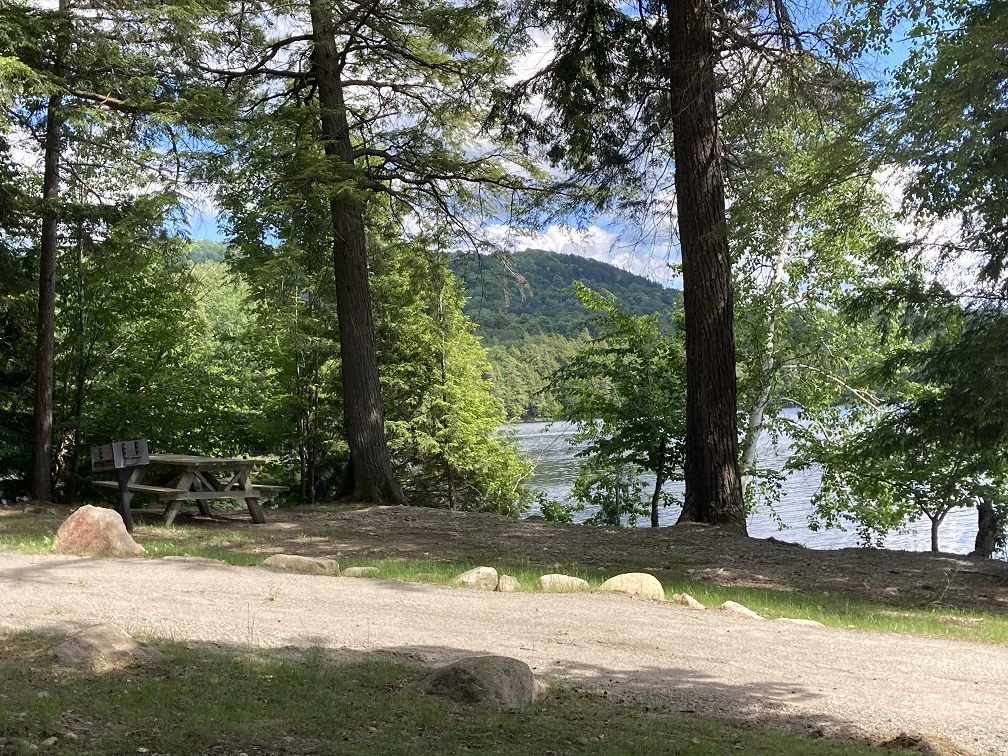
(103,647)
(636,584)
(508,584)
(499,682)
(481,578)
(95,530)
(361,572)
(555,583)
(743,611)
(688,601)
(308,565)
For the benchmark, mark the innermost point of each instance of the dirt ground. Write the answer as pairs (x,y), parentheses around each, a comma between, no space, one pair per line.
(682,553)
(776,675)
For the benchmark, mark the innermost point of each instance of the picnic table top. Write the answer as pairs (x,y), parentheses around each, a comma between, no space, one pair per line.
(192,460)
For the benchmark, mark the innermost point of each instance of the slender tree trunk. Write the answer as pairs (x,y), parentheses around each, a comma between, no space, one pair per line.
(41,478)
(757,413)
(935,522)
(713,487)
(659,482)
(363,414)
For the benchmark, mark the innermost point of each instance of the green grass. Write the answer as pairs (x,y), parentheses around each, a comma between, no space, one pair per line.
(207,701)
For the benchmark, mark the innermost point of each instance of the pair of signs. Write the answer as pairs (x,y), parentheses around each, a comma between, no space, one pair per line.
(120,454)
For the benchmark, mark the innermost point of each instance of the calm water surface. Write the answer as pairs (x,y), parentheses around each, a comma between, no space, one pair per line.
(556,468)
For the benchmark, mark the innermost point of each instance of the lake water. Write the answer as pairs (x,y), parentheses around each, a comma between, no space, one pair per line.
(556,467)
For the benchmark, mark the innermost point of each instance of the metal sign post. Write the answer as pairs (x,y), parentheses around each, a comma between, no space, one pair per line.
(123,457)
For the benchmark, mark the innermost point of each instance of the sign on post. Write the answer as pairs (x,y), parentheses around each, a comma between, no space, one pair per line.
(121,456)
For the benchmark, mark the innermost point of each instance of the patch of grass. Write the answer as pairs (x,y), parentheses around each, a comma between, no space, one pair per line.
(203,701)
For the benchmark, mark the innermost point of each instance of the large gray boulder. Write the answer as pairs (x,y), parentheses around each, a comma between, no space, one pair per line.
(103,647)
(95,530)
(636,584)
(307,565)
(481,578)
(499,682)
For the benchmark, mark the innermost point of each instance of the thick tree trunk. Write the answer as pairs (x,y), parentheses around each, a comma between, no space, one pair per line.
(363,414)
(988,530)
(659,482)
(713,487)
(41,478)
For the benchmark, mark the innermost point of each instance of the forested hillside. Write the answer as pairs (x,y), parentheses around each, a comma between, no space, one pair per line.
(529,293)
(531,322)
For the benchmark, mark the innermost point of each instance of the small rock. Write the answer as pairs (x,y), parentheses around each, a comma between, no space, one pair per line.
(556,583)
(688,601)
(636,584)
(103,647)
(805,622)
(481,578)
(308,565)
(731,606)
(49,742)
(894,592)
(361,572)
(508,584)
(95,530)
(499,682)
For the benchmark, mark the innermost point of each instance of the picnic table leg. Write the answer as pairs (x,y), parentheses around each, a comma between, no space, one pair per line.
(171,512)
(185,481)
(200,483)
(258,516)
(242,482)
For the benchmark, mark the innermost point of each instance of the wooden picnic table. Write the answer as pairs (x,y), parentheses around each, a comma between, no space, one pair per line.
(201,480)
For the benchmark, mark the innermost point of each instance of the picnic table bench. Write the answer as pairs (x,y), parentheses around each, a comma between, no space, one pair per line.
(201,480)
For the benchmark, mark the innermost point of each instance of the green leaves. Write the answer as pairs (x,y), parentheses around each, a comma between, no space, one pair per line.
(625,392)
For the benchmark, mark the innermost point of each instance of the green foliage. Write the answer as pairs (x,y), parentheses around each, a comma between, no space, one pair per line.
(626,397)
(531,320)
(441,418)
(17,337)
(951,128)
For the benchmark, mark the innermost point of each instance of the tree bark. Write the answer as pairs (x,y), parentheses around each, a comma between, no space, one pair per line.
(363,413)
(988,530)
(41,476)
(713,486)
(934,535)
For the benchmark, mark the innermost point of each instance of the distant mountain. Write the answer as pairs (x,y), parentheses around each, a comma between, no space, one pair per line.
(531,294)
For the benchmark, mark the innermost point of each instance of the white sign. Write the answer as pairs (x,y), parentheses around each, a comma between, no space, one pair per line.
(120,454)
